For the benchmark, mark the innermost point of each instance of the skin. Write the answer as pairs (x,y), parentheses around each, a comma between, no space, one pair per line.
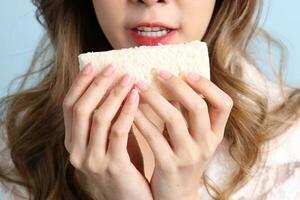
(190,16)
(97,141)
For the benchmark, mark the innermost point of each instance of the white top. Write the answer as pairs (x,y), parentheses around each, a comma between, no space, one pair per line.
(279,179)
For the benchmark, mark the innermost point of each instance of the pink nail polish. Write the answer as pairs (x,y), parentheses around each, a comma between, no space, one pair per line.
(164,74)
(125,80)
(192,76)
(108,70)
(87,69)
(133,96)
(142,86)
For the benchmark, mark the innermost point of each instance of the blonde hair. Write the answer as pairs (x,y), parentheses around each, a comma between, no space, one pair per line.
(33,121)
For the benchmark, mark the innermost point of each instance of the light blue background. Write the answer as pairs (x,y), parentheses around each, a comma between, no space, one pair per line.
(20,33)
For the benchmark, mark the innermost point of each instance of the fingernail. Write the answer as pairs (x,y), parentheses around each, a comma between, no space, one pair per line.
(108,70)
(133,96)
(165,75)
(142,86)
(193,77)
(87,69)
(125,80)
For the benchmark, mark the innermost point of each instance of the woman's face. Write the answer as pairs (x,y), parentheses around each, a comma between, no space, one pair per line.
(188,19)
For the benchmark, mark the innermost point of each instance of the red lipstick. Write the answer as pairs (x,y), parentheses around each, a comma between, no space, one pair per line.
(152,40)
(145,40)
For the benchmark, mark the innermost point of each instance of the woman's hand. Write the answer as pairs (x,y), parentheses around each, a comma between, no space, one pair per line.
(180,162)
(97,141)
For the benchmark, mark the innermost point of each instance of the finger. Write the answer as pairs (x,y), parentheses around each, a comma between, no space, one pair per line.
(118,137)
(83,108)
(105,114)
(154,137)
(78,87)
(197,108)
(220,102)
(152,116)
(174,120)
(181,109)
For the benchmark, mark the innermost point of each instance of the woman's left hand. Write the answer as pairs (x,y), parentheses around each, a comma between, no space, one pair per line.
(180,163)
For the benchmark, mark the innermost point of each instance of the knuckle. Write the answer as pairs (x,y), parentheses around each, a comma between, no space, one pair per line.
(97,82)
(67,145)
(228,103)
(174,116)
(116,132)
(75,160)
(199,107)
(79,110)
(113,168)
(66,104)
(207,154)
(99,121)
(190,158)
(116,91)
(91,164)
(168,164)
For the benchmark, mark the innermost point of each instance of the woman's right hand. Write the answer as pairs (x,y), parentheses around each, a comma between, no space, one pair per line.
(97,141)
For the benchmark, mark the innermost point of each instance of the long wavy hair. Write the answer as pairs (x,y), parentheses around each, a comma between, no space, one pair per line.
(32,117)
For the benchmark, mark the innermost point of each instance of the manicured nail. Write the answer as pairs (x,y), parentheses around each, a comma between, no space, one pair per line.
(108,70)
(165,75)
(87,69)
(193,77)
(125,80)
(142,86)
(133,96)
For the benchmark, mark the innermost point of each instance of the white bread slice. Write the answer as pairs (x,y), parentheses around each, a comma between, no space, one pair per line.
(141,61)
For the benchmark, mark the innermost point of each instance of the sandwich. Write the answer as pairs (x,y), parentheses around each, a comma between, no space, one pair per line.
(141,62)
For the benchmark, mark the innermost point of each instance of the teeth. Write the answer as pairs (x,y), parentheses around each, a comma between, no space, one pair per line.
(153,34)
(149,29)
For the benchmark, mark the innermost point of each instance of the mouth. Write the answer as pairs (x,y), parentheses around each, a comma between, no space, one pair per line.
(158,32)
(152,34)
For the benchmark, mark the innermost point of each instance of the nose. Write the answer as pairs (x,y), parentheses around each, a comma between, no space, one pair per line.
(150,2)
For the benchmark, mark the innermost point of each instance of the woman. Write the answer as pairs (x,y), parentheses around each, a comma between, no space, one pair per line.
(67,141)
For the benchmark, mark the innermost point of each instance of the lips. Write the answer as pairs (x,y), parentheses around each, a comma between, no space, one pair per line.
(153,24)
(151,40)
(143,40)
